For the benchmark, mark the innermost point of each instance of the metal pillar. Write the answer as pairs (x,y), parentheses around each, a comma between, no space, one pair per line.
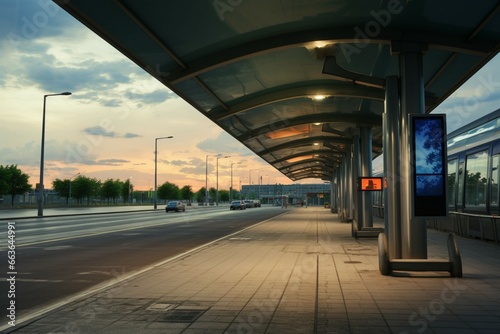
(356,195)
(391,138)
(341,187)
(345,188)
(413,230)
(334,190)
(366,170)
(348,184)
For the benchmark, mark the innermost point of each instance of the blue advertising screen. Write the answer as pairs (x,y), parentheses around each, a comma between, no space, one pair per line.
(429,165)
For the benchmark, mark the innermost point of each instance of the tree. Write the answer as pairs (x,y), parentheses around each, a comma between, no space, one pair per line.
(127,188)
(111,189)
(201,195)
(168,191)
(186,193)
(223,195)
(3,181)
(13,181)
(212,192)
(84,187)
(62,188)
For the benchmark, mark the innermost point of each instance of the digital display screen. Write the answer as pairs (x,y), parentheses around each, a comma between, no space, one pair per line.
(370,183)
(429,165)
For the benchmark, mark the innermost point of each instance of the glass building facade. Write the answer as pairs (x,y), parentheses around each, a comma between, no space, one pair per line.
(294,194)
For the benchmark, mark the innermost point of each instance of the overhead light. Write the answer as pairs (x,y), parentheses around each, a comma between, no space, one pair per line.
(300,158)
(289,132)
(316,144)
(317,123)
(319,97)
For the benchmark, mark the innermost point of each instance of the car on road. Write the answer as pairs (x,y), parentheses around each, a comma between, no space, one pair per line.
(256,203)
(237,205)
(175,206)
(249,203)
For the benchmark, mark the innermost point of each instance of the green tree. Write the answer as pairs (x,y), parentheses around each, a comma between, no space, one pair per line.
(84,187)
(3,181)
(111,190)
(13,181)
(186,193)
(212,192)
(201,195)
(127,189)
(62,188)
(168,191)
(223,195)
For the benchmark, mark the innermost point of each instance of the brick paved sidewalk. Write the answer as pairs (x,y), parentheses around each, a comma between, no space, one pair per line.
(301,272)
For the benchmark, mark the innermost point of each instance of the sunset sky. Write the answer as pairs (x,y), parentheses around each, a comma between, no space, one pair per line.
(106,128)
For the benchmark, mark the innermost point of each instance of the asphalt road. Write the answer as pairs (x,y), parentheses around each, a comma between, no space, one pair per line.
(58,257)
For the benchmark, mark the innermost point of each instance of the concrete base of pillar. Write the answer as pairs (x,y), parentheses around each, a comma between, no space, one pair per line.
(453,266)
(369,232)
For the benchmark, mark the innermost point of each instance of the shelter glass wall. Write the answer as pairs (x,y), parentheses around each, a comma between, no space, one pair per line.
(476,180)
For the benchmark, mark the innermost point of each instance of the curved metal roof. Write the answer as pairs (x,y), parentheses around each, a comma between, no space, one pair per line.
(294,79)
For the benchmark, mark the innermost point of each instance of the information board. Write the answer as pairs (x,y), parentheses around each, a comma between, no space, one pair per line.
(370,183)
(428,165)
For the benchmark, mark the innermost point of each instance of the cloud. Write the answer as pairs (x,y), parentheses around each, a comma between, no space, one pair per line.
(25,21)
(112,162)
(100,131)
(224,144)
(155,97)
(193,166)
(50,75)
(37,43)
(131,135)
(177,162)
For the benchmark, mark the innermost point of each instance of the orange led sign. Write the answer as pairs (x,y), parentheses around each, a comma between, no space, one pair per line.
(370,183)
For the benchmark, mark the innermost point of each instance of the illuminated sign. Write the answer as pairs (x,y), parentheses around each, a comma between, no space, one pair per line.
(428,165)
(370,183)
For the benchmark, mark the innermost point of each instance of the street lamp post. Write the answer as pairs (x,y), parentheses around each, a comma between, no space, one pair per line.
(260,182)
(156,168)
(206,180)
(40,187)
(231,186)
(217,179)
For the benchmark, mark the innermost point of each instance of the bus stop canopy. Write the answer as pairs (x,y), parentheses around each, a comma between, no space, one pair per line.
(294,80)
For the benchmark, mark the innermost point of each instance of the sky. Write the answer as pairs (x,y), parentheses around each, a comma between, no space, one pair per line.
(107,127)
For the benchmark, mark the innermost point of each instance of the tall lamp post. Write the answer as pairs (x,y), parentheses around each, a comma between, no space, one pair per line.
(40,187)
(260,182)
(231,186)
(156,168)
(206,180)
(217,178)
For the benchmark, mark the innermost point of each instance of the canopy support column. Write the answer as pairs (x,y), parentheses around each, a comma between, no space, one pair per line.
(413,230)
(366,170)
(392,214)
(357,197)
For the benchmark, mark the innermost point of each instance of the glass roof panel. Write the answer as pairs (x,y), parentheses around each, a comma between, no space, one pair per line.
(197,94)
(263,72)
